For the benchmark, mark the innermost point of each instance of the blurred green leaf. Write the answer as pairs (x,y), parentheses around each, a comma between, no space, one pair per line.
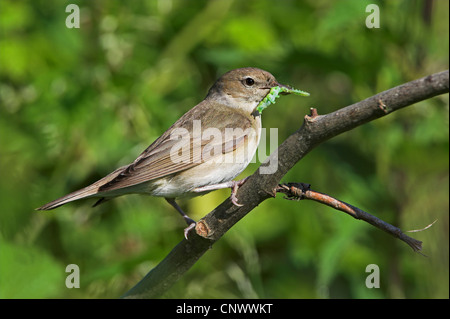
(28,272)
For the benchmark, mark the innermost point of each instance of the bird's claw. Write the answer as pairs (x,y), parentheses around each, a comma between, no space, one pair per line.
(234,200)
(188,229)
(234,188)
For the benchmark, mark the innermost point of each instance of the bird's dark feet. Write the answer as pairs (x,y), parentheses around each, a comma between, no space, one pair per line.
(191,223)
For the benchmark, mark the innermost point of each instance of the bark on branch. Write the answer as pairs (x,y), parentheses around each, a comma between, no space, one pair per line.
(258,187)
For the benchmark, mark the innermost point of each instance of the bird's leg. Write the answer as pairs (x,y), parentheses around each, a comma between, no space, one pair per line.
(234,185)
(191,223)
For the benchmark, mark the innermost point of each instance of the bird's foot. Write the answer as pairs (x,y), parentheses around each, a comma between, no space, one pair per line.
(234,185)
(188,229)
(234,188)
(191,223)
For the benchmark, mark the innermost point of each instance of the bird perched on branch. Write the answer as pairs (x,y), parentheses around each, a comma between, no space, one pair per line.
(204,150)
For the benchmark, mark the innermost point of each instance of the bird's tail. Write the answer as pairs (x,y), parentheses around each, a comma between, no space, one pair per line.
(89,191)
(79,194)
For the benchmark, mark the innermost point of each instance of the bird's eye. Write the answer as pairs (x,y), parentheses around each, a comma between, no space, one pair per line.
(249,81)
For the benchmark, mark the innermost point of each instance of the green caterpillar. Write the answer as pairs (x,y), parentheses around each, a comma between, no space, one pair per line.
(274,93)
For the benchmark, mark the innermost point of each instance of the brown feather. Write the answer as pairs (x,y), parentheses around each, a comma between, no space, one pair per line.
(156,162)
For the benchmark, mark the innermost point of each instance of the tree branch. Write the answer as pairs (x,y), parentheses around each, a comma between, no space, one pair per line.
(300,191)
(258,187)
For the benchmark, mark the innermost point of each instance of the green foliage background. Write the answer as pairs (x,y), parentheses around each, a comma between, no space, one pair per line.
(77,103)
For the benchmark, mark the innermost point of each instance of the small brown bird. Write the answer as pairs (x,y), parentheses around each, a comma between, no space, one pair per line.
(204,150)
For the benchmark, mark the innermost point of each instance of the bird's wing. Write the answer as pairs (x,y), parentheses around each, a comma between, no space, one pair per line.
(178,149)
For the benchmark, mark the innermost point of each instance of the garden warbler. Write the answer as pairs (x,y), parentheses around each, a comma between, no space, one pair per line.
(204,150)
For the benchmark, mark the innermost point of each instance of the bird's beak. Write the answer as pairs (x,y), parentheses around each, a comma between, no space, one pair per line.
(283,86)
(273,84)
(280,85)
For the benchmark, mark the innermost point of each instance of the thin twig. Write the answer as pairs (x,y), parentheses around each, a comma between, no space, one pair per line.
(422,229)
(298,191)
